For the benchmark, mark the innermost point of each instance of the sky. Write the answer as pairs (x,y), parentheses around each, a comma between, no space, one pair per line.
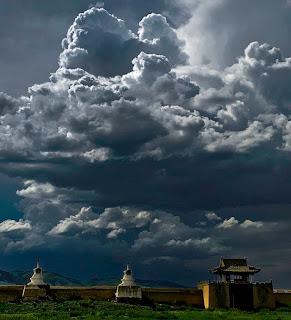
(155,133)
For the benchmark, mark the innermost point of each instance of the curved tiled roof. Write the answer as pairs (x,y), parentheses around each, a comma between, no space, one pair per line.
(234,266)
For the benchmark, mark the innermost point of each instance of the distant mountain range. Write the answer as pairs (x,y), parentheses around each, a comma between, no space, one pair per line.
(22,277)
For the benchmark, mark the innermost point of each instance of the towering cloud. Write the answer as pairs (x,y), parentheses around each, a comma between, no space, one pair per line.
(98,41)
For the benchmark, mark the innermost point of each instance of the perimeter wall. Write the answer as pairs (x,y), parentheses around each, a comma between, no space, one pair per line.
(204,297)
(191,297)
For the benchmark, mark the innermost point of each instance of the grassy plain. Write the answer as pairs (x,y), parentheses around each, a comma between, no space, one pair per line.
(87,310)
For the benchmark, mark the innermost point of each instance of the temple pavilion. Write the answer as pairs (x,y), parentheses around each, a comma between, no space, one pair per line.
(234,270)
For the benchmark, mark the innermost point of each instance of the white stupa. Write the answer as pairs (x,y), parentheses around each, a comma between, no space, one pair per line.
(36,287)
(128,290)
(37,277)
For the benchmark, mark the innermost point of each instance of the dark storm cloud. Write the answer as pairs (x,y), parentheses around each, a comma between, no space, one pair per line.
(149,116)
(118,153)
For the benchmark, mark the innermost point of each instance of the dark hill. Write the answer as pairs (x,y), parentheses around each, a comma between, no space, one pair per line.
(142,282)
(22,277)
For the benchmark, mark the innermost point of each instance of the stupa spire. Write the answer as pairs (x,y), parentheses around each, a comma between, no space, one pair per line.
(37,262)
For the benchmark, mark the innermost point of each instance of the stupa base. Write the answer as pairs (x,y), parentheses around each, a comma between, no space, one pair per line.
(36,292)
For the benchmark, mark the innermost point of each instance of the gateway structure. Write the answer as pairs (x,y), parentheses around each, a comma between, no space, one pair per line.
(234,287)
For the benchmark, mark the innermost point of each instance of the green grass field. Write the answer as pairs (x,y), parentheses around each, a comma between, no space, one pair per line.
(111,311)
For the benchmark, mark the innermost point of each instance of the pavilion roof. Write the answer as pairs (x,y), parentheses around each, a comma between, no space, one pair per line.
(234,266)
